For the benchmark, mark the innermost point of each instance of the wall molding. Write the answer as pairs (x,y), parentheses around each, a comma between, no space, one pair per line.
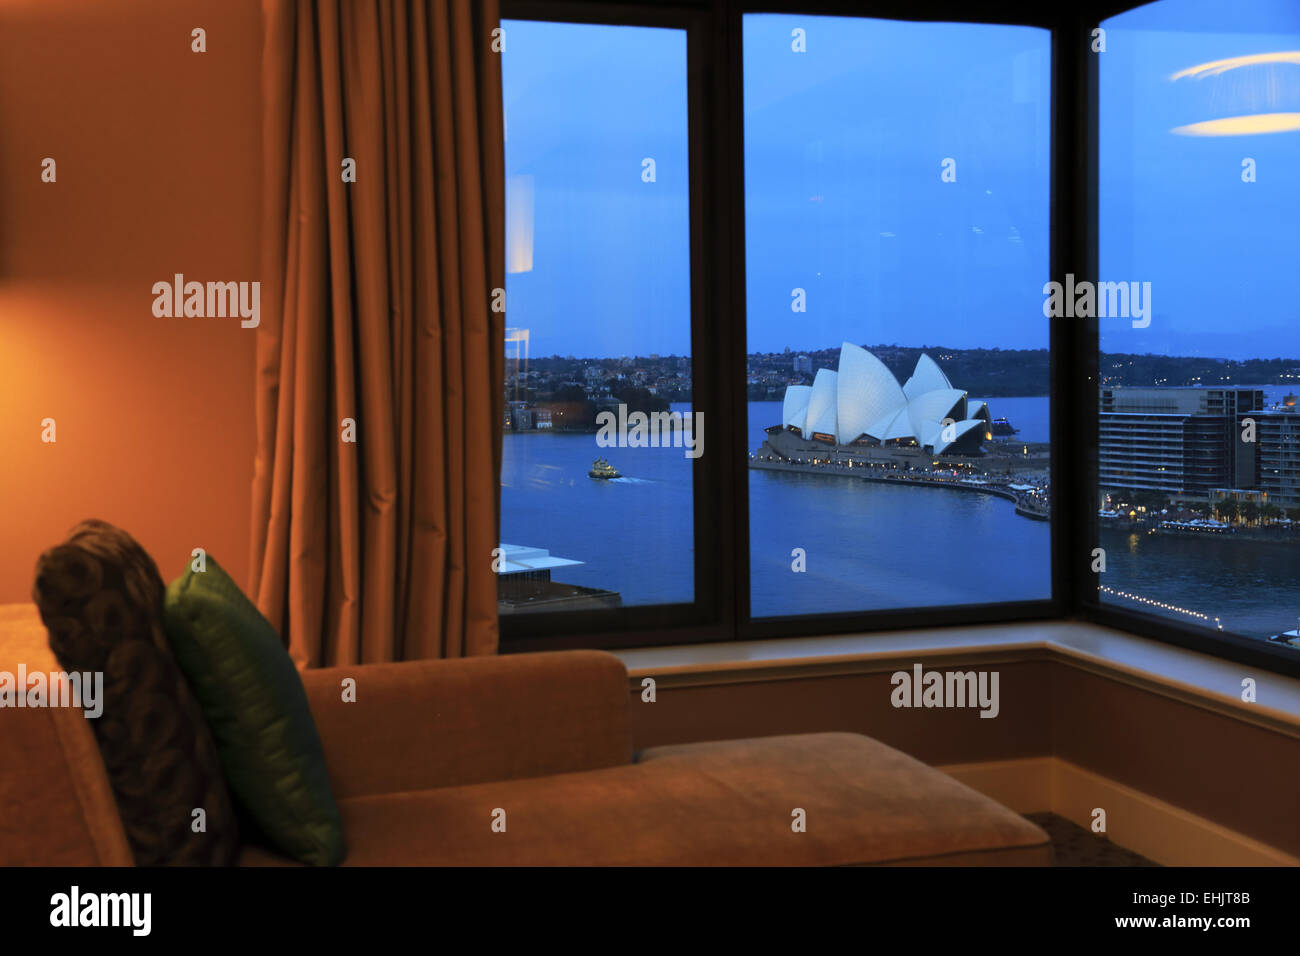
(1160,831)
(891,655)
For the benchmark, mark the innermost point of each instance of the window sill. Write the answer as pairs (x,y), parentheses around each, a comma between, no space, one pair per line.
(1198,679)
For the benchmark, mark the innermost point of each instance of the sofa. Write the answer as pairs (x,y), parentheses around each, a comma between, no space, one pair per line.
(528,760)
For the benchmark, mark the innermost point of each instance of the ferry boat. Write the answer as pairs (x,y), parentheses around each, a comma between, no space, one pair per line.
(1001,427)
(600,468)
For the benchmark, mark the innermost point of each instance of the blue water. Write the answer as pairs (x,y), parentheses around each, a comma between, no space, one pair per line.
(635,533)
(870,546)
(1252,586)
(867,545)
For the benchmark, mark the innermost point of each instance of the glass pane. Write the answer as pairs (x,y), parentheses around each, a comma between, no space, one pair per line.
(599,319)
(896,180)
(1199,457)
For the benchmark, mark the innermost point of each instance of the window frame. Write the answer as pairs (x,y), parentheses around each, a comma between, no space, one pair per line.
(720,354)
(1088,606)
(1052,607)
(707,618)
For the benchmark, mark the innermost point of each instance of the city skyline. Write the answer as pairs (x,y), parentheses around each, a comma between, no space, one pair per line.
(792,351)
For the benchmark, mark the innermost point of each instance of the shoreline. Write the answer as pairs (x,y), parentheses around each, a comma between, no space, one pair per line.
(987,489)
(1272,535)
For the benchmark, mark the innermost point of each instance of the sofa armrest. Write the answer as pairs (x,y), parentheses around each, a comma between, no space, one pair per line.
(420,725)
(56,804)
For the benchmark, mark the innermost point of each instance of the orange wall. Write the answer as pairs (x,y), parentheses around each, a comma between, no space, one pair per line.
(158,153)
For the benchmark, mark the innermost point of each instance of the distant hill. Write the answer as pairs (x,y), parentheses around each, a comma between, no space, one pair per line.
(1003,373)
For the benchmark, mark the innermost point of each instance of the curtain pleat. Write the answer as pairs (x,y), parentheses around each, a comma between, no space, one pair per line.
(380,312)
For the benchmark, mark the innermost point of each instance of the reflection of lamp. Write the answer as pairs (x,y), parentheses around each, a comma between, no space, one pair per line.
(521,339)
(519,224)
(1251,88)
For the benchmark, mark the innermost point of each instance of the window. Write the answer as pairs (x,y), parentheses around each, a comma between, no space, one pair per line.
(952,330)
(597,478)
(1198,478)
(896,240)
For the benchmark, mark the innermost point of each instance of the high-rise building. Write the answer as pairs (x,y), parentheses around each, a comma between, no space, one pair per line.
(1278,433)
(1181,441)
(802,365)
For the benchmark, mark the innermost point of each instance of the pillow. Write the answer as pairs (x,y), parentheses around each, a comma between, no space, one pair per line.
(101,597)
(257,708)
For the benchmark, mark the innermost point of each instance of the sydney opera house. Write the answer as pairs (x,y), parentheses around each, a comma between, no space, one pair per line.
(863,405)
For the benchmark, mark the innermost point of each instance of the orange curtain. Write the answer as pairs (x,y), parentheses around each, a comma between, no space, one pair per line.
(377,326)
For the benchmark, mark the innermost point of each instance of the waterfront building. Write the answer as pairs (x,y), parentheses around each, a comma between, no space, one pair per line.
(1278,433)
(520,416)
(1240,495)
(524,583)
(1180,441)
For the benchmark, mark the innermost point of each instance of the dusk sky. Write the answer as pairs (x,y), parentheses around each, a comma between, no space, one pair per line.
(844,145)
(1222,255)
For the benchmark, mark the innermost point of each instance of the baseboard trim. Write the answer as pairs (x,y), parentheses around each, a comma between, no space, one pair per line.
(1158,830)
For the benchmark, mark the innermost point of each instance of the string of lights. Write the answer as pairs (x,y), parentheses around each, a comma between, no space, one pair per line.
(1159,604)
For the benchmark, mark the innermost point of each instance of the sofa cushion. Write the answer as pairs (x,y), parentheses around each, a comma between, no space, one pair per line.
(100,597)
(726,803)
(254,701)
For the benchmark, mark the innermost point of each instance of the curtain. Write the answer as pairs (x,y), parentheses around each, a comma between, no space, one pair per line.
(379,359)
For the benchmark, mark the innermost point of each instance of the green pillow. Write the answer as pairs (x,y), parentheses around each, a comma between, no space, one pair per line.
(255,704)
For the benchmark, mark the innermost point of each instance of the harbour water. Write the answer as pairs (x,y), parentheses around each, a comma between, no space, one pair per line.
(866,545)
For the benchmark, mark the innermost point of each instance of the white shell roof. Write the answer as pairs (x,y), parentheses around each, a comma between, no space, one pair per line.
(935,407)
(821,404)
(936,441)
(824,425)
(926,377)
(867,393)
(864,398)
(893,425)
(795,409)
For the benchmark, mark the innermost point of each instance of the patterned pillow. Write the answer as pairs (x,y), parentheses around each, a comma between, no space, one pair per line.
(101,597)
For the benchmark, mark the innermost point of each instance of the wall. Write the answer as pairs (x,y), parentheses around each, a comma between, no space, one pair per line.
(858,703)
(158,172)
(1237,774)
